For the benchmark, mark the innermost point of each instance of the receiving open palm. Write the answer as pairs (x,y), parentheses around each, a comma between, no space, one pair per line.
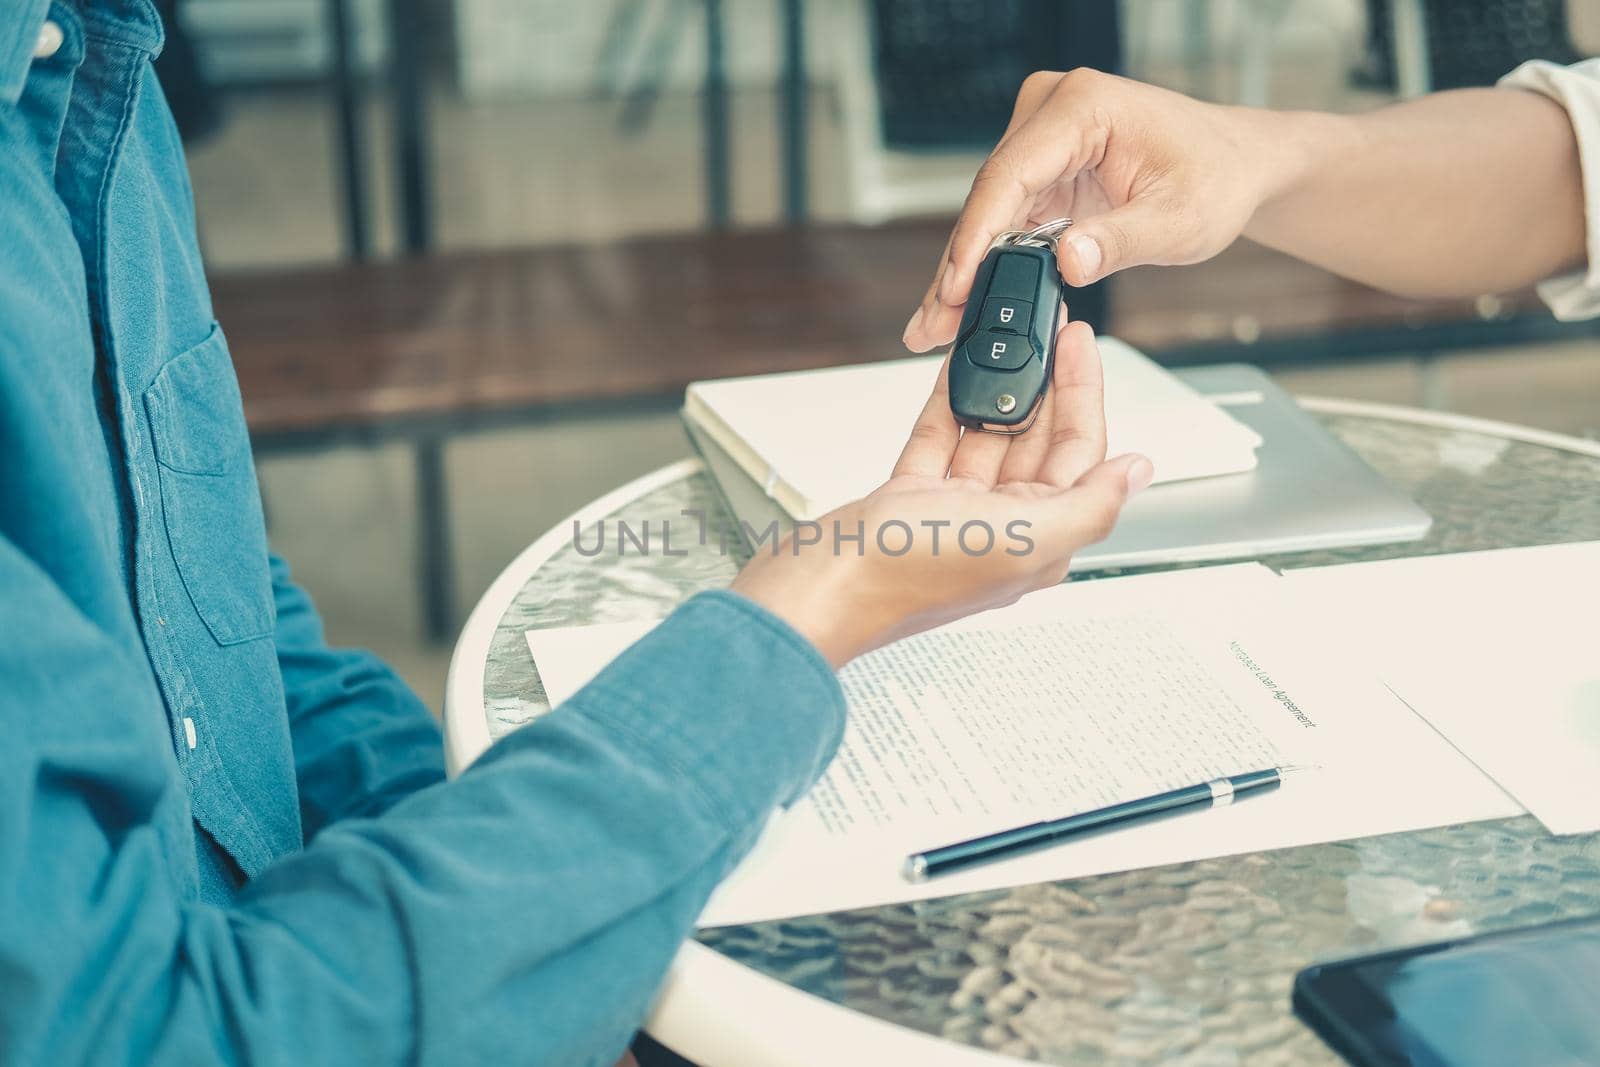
(967,520)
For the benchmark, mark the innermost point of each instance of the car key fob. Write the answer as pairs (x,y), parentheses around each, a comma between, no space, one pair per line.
(1004,351)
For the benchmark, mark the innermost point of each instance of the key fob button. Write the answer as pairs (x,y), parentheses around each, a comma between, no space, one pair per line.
(1016,277)
(1004,313)
(998,351)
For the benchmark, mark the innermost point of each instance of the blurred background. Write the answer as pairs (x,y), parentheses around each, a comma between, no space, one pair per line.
(468,252)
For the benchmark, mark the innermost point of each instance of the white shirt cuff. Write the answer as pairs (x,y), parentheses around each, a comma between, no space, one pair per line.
(1576,88)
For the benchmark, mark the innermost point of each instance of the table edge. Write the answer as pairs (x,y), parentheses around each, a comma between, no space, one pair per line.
(702,976)
(465,741)
(1448,420)
(681,1017)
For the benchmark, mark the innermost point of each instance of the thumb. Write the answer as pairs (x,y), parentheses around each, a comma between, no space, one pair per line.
(1088,511)
(1123,237)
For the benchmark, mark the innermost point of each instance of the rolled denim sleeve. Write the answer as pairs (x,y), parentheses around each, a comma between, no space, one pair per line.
(362,740)
(522,913)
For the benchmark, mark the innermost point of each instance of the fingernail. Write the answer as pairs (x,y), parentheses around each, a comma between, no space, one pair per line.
(1141,472)
(916,320)
(1087,252)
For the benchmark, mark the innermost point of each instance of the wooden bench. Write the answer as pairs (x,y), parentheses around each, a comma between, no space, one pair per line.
(426,348)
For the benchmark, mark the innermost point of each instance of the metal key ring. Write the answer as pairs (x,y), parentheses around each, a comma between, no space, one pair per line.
(1046,233)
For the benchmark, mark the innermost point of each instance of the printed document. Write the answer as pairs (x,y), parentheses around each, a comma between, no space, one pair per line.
(1499,651)
(1074,698)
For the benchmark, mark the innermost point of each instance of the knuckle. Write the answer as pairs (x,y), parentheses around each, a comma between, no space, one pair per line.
(998,168)
(1039,84)
(1067,435)
(1184,220)
(1118,243)
(1081,79)
(996,182)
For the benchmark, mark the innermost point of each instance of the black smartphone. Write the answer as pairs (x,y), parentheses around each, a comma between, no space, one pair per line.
(1518,997)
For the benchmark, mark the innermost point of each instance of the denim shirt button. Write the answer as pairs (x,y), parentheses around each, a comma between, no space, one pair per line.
(49,42)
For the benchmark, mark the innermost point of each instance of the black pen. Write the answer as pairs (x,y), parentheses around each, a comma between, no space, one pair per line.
(1213,794)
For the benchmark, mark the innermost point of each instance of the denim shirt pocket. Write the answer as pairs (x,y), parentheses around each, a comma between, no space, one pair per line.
(209,497)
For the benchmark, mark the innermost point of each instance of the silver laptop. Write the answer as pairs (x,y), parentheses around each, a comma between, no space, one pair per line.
(1308,491)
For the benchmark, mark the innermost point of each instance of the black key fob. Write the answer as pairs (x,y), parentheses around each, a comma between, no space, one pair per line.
(1000,365)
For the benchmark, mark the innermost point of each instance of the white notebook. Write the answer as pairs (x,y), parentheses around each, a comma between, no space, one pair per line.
(819,439)
(1309,491)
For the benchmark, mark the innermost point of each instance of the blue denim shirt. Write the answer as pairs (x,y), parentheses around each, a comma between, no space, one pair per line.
(221,840)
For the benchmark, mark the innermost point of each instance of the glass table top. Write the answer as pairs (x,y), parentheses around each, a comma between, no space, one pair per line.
(1189,964)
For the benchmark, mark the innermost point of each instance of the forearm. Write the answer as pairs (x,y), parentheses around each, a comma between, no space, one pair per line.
(531,907)
(1455,194)
(362,739)
(523,913)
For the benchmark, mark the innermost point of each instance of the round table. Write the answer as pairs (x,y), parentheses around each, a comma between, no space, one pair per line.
(1189,964)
